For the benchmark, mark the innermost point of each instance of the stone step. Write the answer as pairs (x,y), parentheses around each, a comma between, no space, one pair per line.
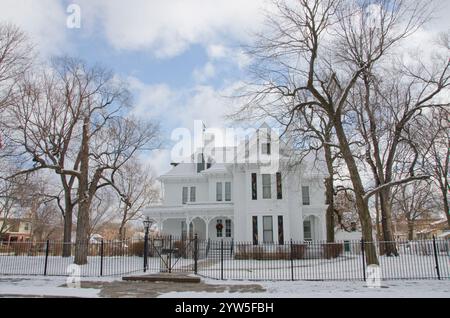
(175,278)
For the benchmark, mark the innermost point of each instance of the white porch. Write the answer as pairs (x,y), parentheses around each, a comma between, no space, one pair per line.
(194,218)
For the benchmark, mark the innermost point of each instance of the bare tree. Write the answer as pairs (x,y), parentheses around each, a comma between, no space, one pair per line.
(136,183)
(314,53)
(102,210)
(70,121)
(15,59)
(434,146)
(414,201)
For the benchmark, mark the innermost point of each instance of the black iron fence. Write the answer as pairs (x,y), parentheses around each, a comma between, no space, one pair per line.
(229,260)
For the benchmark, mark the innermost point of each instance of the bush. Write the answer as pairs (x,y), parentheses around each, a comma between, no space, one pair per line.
(332,250)
(246,251)
(298,251)
(137,249)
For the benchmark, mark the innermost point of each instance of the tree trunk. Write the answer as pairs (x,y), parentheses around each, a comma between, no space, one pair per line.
(446,205)
(122,231)
(377,209)
(329,188)
(361,204)
(67,239)
(410,230)
(389,246)
(82,241)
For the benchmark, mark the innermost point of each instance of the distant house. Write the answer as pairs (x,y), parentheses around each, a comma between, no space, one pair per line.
(15,230)
(438,229)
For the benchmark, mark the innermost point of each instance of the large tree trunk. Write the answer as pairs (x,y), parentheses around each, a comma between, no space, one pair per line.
(378,223)
(361,204)
(122,231)
(388,246)
(446,203)
(329,195)
(67,239)
(82,241)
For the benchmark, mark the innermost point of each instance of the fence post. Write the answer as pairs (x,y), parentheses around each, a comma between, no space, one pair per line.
(169,265)
(221,259)
(292,260)
(436,258)
(195,253)
(101,258)
(46,257)
(363,259)
(145,251)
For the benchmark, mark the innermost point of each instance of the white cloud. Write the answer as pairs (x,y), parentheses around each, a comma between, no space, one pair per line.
(207,72)
(44,21)
(168,28)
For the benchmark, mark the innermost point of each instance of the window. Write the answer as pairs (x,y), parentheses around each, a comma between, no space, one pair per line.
(227,228)
(279,188)
(267,229)
(280,230)
(26,227)
(266,186)
(219,228)
(227,191)
(219,191)
(265,148)
(305,195)
(185,195)
(307,234)
(192,195)
(255,230)
(254,188)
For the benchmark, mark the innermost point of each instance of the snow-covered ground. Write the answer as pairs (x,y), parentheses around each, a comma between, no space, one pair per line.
(39,286)
(42,286)
(345,267)
(313,289)
(60,266)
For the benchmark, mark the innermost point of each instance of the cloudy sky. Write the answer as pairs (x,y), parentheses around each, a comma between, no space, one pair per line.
(181,57)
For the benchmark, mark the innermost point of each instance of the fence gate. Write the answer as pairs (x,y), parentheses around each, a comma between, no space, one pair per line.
(173,255)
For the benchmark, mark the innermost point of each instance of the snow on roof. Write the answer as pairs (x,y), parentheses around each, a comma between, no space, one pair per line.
(216,168)
(182,169)
(444,234)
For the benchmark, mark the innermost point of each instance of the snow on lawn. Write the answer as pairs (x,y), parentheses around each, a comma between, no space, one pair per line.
(346,267)
(41,286)
(313,289)
(60,266)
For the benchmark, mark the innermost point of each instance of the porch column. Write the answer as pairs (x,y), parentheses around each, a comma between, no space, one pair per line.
(207,220)
(188,228)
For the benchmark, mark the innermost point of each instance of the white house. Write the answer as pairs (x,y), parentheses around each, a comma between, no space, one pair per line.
(239,199)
